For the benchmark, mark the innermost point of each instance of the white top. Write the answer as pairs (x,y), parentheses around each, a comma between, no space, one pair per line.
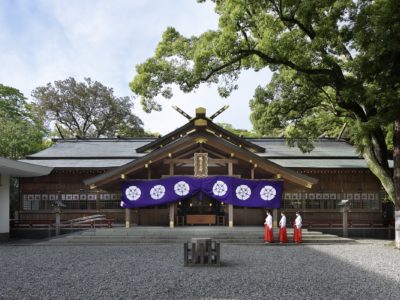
(282,222)
(298,221)
(268,221)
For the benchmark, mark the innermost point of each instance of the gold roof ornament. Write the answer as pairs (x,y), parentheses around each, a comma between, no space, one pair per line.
(200,112)
(201,140)
(200,123)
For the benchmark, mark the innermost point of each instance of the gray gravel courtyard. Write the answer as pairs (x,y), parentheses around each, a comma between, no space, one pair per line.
(369,270)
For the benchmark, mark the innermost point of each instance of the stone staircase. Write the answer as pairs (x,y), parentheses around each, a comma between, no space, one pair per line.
(149,235)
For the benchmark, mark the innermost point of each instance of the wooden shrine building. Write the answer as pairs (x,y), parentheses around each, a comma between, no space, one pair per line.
(88,174)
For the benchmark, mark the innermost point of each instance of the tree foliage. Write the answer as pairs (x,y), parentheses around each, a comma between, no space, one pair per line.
(334,62)
(86,109)
(240,132)
(21,134)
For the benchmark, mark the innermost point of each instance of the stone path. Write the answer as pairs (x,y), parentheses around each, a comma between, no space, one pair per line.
(366,270)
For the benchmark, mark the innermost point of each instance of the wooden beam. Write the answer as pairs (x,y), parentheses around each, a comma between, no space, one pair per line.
(191,161)
(230,206)
(223,161)
(178,161)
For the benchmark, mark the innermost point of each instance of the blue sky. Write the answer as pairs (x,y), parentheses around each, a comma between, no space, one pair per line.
(46,40)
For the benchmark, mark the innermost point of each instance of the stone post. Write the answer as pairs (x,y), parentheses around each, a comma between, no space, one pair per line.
(345,223)
(397,228)
(57,211)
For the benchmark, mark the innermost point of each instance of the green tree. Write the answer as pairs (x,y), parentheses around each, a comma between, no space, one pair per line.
(333,60)
(240,132)
(86,109)
(21,134)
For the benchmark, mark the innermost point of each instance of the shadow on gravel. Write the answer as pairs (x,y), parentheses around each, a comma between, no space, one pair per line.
(157,272)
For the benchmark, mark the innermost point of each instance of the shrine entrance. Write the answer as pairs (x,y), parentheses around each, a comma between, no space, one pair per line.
(200,210)
(182,173)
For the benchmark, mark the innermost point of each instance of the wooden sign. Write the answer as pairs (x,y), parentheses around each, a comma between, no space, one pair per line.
(200,164)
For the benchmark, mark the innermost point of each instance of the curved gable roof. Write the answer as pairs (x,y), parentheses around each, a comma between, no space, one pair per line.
(188,141)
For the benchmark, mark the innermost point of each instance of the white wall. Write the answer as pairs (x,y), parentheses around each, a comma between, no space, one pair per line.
(4,206)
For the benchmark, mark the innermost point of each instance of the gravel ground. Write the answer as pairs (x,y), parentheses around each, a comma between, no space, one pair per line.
(369,270)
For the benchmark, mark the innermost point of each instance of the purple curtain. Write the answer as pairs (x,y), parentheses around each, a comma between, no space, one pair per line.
(230,190)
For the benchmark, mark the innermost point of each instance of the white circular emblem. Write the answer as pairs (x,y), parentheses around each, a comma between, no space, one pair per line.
(181,188)
(243,192)
(157,192)
(220,188)
(133,193)
(268,193)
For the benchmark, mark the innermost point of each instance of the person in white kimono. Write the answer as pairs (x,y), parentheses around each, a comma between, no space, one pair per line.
(268,234)
(282,229)
(298,223)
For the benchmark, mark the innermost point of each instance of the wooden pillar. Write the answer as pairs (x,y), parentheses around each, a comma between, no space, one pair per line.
(127,217)
(97,201)
(230,206)
(172,205)
(127,210)
(171,215)
(230,213)
(274,217)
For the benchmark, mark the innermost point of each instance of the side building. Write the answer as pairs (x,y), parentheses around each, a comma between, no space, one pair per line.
(88,174)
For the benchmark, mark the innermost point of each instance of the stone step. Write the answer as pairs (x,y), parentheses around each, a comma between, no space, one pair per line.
(139,233)
(169,241)
(261,238)
(153,235)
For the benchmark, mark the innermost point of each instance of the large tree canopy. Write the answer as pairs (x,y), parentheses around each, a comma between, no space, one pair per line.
(21,134)
(334,62)
(86,109)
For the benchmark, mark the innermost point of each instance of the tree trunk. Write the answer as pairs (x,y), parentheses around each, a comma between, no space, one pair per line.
(390,183)
(396,179)
(384,176)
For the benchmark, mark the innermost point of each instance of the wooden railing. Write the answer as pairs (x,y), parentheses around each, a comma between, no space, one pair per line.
(85,222)
(351,223)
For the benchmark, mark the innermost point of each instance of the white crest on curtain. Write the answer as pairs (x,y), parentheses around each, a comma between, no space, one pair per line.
(268,193)
(157,192)
(220,188)
(243,192)
(181,188)
(133,193)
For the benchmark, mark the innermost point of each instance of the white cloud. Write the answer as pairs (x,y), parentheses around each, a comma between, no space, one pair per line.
(52,40)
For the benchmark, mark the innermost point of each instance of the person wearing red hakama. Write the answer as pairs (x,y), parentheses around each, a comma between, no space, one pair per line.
(268,234)
(282,229)
(297,235)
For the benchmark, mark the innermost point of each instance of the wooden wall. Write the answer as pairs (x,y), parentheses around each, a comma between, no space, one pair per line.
(339,181)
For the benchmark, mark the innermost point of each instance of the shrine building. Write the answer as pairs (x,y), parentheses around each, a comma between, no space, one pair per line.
(200,174)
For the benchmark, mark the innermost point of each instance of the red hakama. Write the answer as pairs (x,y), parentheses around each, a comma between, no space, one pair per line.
(268,234)
(283,235)
(297,235)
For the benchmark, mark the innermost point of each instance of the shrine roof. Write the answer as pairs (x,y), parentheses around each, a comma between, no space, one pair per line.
(114,152)
(79,163)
